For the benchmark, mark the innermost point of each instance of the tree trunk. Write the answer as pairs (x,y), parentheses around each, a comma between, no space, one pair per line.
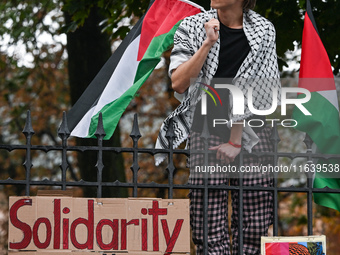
(88,49)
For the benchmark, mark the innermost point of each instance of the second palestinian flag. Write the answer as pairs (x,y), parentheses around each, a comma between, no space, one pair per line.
(323,126)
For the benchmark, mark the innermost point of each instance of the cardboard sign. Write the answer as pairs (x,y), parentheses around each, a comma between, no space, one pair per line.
(293,245)
(109,224)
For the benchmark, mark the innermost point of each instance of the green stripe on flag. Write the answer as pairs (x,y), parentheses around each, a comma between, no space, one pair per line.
(323,125)
(113,111)
(324,129)
(330,180)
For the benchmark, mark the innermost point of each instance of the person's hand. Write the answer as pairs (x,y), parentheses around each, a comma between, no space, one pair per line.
(212,27)
(226,152)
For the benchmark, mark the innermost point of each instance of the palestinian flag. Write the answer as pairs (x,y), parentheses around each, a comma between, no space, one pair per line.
(323,125)
(128,68)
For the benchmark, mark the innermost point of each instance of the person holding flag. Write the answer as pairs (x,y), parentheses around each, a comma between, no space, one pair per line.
(229,41)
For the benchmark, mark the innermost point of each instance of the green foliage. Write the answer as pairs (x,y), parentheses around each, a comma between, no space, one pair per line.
(24,20)
(286,17)
(116,12)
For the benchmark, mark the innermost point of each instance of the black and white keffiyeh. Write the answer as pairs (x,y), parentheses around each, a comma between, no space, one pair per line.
(258,71)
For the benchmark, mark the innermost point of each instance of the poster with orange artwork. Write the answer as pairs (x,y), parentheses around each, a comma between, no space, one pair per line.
(293,245)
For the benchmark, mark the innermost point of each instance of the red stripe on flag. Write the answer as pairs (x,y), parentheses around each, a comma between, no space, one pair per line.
(314,61)
(161,18)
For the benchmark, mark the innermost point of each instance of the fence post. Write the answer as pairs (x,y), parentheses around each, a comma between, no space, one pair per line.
(64,133)
(28,132)
(170,135)
(205,135)
(275,138)
(135,135)
(308,141)
(240,206)
(100,134)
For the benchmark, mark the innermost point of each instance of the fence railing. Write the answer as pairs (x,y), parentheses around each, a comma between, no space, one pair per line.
(135,135)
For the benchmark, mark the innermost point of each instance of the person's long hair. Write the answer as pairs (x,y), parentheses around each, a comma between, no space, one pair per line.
(249,4)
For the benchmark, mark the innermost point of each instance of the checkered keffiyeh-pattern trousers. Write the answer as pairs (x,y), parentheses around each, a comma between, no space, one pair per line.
(257,205)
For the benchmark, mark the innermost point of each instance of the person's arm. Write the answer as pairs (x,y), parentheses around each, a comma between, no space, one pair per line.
(181,76)
(227,152)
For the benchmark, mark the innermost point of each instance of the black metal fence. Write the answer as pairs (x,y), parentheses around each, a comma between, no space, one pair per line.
(135,135)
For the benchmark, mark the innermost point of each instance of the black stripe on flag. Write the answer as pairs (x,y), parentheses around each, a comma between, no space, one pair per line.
(92,93)
(310,15)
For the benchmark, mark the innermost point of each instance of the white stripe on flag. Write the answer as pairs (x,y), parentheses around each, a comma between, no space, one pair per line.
(82,128)
(123,77)
(121,80)
(331,96)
